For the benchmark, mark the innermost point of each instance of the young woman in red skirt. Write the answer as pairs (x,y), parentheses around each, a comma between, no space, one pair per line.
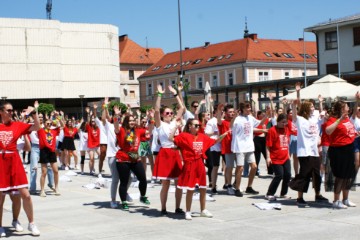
(193,146)
(12,173)
(168,162)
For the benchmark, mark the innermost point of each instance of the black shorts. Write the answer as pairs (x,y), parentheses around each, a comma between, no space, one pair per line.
(342,161)
(214,157)
(47,156)
(68,144)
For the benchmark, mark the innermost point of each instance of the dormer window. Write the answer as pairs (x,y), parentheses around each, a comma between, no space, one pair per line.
(277,54)
(229,56)
(267,54)
(211,59)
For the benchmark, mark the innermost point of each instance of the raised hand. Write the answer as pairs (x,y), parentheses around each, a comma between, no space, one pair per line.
(180,87)
(270,96)
(298,86)
(320,98)
(95,106)
(172,90)
(106,100)
(87,109)
(116,110)
(36,104)
(160,89)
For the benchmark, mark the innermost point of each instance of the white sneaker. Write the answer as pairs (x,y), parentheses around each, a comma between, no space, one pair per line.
(128,198)
(114,204)
(66,168)
(206,213)
(16,224)
(339,205)
(33,229)
(230,191)
(99,176)
(348,203)
(270,197)
(2,232)
(188,216)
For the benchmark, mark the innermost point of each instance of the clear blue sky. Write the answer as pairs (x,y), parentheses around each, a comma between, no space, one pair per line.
(201,20)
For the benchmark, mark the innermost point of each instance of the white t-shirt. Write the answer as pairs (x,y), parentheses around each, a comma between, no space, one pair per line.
(83,141)
(307,137)
(103,135)
(356,122)
(212,128)
(20,144)
(111,149)
(243,134)
(188,115)
(34,138)
(60,137)
(155,146)
(164,132)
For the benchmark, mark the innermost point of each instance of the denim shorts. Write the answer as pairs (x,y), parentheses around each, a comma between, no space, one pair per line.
(293,145)
(357,144)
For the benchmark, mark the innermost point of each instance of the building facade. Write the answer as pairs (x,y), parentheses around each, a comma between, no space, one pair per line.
(135,60)
(338,45)
(230,64)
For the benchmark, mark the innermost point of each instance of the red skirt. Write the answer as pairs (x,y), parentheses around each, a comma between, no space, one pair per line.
(193,173)
(12,173)
(168,164)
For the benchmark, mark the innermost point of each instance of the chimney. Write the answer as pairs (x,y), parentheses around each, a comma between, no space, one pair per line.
(301,39)
(206,44)
(253,36)
(123,37)
(187,48)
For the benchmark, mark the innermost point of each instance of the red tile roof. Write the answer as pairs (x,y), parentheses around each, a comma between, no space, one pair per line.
(132,53)
(242,50)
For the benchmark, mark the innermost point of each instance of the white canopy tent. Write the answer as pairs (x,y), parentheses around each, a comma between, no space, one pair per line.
(328,87)
(349,95)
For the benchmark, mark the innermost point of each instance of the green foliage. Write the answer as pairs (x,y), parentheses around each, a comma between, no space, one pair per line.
(46,108)
(121,106)
(145,108)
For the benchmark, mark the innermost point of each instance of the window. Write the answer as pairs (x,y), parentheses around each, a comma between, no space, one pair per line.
(167,66)
(187,63)
(230,79)
(356,32)
(277,54)
(149,89)
(286,75)
(330,40)
(267,54)
(221,57)
(175,64)
(197,61)
(229,56)
(131,75)
(211,59)
(214,80)
(132,94)
(173,82)
(187,82)
(305,55)
(288,55)
(200,83)
(357,65)
(332,68)
(315,56)
(263,76)
(156,68)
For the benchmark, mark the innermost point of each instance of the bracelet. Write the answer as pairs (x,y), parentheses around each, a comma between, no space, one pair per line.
(175,95)
(105,106)
(159,94)
(338,121)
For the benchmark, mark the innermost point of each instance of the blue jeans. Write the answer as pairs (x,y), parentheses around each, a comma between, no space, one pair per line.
(34,159)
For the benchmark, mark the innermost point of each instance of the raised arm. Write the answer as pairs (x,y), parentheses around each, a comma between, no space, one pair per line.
(294,110)
(34,113)
(159,94)
(297,88)
(219,113)
(116,119)
(272,112)
(202,102)
(321,99)
(182,108)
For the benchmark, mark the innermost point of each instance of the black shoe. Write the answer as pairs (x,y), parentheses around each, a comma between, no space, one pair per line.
(179,211)
(320,198)
(301,201)
(225,187)
(214,191)
(210,185)
(250,190)
(234,184)
(238,193)
(163,212)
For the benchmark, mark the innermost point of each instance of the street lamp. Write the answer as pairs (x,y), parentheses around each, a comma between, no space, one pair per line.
(82,108)
(4,98)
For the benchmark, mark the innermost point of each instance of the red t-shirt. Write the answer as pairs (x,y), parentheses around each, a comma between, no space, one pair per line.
(263,126)
(93,136)
(325,139)
(10,133)
(146,136)
(344,134)
(277,140)
(70,132)
(226,142)
(123,139)
(47,138)
(193,147)
(292,128)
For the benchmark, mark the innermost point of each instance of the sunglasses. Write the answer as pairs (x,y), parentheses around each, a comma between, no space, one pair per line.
(169,113)
(9,110)
(195,106)
(143,121)
(47,123)
(196,125)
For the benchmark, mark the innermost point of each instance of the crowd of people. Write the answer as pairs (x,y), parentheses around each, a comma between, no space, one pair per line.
(184,146)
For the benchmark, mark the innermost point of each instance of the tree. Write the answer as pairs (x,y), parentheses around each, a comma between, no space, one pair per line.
(145,108)
(46,108)
(121,106)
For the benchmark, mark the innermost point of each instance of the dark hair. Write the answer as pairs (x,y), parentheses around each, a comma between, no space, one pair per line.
(192,103)
(187,125)
(259,113)
(305,109)
(67,122)
(244,105)
(288,111)
(227,107)
(83,127)
(337,109)
(95,126)
(126,125)
(281,117)
(3,104)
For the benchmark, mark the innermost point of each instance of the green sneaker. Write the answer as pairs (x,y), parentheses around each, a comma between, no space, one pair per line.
(124,206)
(144,200)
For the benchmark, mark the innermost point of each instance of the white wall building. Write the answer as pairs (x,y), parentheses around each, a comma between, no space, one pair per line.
(48,59)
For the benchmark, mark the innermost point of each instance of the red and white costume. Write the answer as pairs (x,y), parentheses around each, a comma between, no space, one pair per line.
(193,150)
(12,173)
(93,137)
(168,162)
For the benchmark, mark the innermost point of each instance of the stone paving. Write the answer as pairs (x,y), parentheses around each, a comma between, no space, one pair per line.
(80,213)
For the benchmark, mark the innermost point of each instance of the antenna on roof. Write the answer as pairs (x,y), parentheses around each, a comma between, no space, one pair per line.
(147,47)
(246,31)
(48,9)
